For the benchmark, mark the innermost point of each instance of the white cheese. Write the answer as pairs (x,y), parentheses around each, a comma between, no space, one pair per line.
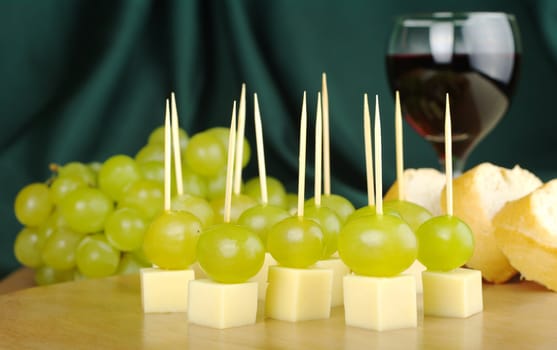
(456,293)
(262,276)
(220,305)
(339,271)
(380,303)
(199,273)
(165,290)
(416,270)
(298,294)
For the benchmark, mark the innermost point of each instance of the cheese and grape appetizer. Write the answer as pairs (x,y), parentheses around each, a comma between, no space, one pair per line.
(170,242)
(445,243)
(229,254)
(378,248)
(296,292)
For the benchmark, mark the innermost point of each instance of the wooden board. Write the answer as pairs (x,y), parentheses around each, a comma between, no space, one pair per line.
(106,314)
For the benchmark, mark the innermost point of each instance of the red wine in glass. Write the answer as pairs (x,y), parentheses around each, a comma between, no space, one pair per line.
(479,80)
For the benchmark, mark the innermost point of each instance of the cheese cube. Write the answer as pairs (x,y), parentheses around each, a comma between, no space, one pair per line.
(298,294)
(262,276)
(380,303)
(339,271)
(165,290)
(221,305)
(199,273)
(416,270)
(456,293)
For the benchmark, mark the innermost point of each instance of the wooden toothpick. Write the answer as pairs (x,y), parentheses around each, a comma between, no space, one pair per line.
(260,152)
(240,141)
(302,158)
(378,162)
(176,144)
(399,148)
(318,152)
(368,153)
(326,139)
(230,166)
(448,156)
(167,158)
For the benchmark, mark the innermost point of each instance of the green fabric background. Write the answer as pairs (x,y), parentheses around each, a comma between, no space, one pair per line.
(83,80)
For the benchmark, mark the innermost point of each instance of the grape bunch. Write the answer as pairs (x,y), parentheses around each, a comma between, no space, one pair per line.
(90,220)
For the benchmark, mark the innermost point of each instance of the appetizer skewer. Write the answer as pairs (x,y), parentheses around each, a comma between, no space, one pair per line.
(170,244)
(297,243)
(378,248)
(230,255)
(445,244)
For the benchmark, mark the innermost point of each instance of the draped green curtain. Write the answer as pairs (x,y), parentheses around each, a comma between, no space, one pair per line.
(83,80)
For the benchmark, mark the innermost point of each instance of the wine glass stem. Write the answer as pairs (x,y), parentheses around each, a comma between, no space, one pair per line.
(458,166)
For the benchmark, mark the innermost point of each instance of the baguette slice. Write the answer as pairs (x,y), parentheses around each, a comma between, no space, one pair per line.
(422,186)
(526,232)
(479,194)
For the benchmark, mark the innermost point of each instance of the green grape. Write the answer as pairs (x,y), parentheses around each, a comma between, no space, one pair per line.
(296,242)
(194,183)
(152,170)
(129,265)
(260,218)
(150,153)
(413,214)
(140,256)
(240,203)
(78,276)
(330,225)
(78,170)
(157,137)
(205,155)
(95,257)
(59,249)
(125,228)
(216,185)
(85,210)
(377,245)
(46,275)
(27,247)
(146,196)
(33,204)
(171,240)
(61,186)
(340,205)
(276,192)
(54,221)
(444,243)
(292,203)
(230,253)
(51,224)
(95,167)
(116,174)
(222,133)
(194,205)
(370,210)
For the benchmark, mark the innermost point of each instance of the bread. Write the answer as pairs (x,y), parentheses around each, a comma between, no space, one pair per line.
(478,195)
(526,232)
(421,186)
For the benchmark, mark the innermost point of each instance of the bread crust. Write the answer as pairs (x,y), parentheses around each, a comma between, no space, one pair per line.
(478,195)
(534,261)
(423,187)
(523,235)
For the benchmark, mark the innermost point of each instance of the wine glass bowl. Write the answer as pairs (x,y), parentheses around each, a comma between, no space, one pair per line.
(473,56)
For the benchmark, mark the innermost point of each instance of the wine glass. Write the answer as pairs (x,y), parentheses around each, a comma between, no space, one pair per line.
(474,56)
